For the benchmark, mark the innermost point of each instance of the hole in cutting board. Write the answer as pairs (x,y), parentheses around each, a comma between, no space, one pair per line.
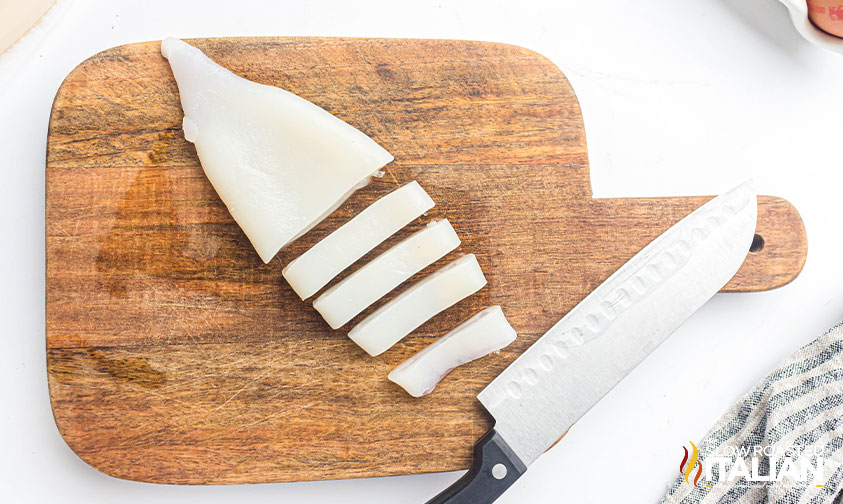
(757,244)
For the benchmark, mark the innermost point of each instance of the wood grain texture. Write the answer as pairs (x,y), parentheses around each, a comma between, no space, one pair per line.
(175,355)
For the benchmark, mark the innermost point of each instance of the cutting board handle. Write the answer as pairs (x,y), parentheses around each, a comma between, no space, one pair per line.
(775,258)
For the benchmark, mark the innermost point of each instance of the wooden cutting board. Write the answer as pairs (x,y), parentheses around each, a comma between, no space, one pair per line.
(175,355)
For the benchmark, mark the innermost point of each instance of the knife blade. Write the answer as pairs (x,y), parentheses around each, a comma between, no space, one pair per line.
(594,346)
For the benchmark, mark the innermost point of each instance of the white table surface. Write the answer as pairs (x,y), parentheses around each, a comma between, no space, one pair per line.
(679,98)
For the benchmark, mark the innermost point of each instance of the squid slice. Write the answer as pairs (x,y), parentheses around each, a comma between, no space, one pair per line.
(320,264)
(486,332)
(278,162)
(355,293)
(388,324)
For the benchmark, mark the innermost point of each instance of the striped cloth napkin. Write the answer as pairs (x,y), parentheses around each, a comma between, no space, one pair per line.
(791,422)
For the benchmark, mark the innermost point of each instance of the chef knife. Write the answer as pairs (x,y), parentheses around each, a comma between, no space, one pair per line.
(582,357)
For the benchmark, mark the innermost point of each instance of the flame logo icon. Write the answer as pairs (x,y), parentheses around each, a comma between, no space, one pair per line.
(687,469)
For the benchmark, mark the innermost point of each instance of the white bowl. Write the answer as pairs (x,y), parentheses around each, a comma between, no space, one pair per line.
(799,15)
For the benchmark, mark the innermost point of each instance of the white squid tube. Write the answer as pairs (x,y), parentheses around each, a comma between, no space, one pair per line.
(486,332)
(313,269)
(279,163)
(391,322)
(356,292)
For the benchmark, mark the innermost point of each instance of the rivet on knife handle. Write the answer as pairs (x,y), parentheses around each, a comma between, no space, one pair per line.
(495,468)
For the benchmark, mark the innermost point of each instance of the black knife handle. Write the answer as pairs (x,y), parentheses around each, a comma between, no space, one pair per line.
(495,468)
